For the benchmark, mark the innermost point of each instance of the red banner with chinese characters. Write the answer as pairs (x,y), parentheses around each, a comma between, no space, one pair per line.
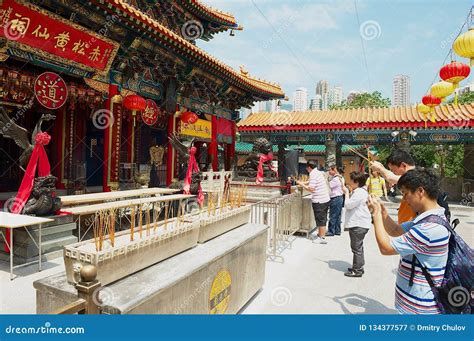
(31,28)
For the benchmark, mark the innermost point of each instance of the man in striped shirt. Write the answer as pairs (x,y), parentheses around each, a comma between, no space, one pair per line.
(427,241)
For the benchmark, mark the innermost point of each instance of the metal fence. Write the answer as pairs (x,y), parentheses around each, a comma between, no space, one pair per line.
(283,215)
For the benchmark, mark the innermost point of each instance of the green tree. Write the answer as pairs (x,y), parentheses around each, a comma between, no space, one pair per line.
(465,98)
(364,100)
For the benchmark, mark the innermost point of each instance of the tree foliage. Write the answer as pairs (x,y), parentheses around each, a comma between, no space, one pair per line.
(364,100)
(465,98)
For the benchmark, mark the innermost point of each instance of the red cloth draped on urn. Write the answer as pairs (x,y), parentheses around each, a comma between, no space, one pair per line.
(192,167)
(264,158)
(39,160)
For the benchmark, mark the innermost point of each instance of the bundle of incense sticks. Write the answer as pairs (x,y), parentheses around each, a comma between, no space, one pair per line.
(140,222)
(166,215)
(95,227)
(132,224)
(156,213)
(112,226)
(209,203)
(357,153)
(100,227)
(148,222)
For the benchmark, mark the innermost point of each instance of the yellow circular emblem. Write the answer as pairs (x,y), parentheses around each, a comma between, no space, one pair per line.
(220,293)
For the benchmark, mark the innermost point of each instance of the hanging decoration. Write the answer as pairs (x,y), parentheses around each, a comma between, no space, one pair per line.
(464,45)
(189,117)
(424,110)
(50,90)
(442,89)
(151,112)
(432,102)
(454,73)
(134,103)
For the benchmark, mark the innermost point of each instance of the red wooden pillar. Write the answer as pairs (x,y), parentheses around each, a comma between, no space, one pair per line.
(213,145)
(111,132)
(170,162)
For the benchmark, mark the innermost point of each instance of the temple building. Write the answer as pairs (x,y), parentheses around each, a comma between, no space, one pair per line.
(398,126)
(118,76)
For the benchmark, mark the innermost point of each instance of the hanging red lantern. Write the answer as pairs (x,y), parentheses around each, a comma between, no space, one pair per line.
(189,117)
(455,72)
(431,102)
(134,103)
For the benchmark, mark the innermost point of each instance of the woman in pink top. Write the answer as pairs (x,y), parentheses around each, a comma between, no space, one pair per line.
(336,184)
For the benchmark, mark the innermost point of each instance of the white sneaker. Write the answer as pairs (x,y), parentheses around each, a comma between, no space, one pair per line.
(319,240)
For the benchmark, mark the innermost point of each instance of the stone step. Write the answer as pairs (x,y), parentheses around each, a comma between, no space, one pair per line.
(28,251)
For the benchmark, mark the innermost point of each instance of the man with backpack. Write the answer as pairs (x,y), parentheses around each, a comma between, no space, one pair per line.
(425,244)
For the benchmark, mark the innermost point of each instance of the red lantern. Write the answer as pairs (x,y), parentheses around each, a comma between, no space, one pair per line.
(189,117)
(431,101)
(134,103)
(454,72)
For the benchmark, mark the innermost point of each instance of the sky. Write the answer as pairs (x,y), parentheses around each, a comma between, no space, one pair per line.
(296,43)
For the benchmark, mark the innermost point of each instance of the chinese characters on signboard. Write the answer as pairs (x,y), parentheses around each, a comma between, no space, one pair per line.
(50,90)
(201,129)
(28,27)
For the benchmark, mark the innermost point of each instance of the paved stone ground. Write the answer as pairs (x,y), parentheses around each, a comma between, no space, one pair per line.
(309,281)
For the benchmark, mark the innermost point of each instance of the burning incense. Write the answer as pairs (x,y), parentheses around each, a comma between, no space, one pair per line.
(132,224)
(112,226)
(147,222)
(96,232)
(166,215)
(358,154)
(140,230)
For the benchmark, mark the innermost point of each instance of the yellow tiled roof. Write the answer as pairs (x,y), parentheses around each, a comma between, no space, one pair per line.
(446,115)
(227,17)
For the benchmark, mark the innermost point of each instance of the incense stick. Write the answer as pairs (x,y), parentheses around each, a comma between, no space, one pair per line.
(357,153)
(140,227)
(147,222)
(132,224)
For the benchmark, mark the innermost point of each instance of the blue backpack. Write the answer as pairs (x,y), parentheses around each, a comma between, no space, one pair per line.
(453,296)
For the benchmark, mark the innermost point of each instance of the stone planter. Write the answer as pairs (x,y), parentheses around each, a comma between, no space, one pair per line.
(213,226)
(128,257)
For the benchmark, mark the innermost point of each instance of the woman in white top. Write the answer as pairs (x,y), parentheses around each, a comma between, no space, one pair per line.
(358,220)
